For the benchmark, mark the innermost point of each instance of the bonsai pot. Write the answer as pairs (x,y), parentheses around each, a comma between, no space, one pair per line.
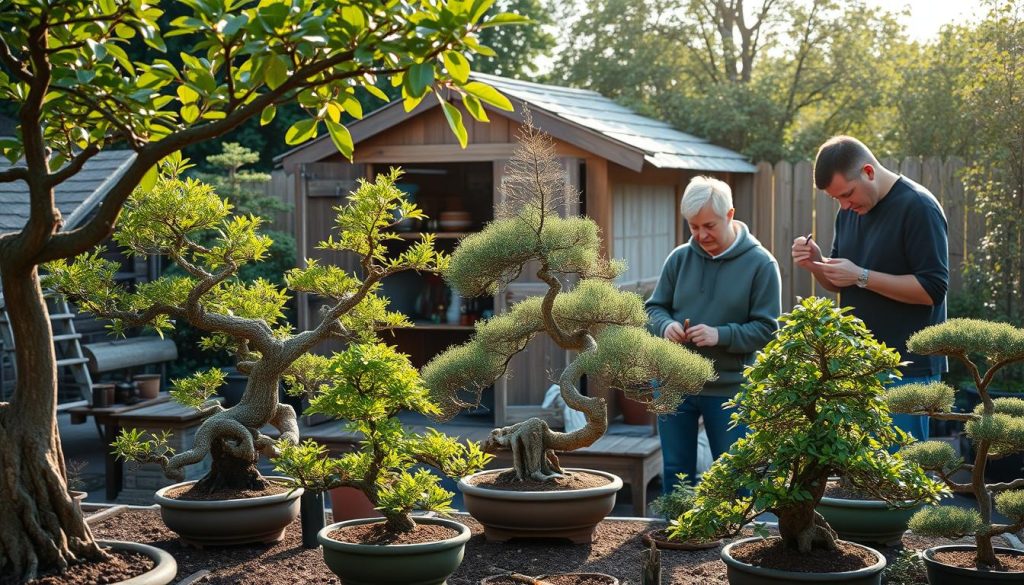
(162,573)
(148,385)
(224,522)
(572,514)
(943,574)
(660,540)
(866,521)
(589,578)
(740,573)
(349,503)
(429,563)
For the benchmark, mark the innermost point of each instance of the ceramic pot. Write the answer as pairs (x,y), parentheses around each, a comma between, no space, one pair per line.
(162,573)
(601,578)
(148,385)
(943,574)
(572,514)
(348,503)
(866,521)
(429,563)
(223,522)
(102,395)
(740,573)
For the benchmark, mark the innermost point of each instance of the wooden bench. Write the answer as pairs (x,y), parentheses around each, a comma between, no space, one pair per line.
(637,460)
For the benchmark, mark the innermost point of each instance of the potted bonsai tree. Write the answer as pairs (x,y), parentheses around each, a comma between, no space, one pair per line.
(671,506)
(996,427)
(233,502)
(815,408)
(536,497)
(368,384)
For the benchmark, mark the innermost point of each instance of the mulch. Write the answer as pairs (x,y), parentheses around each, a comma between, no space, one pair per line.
(507,481)
(615,551)
(376,534)
(122,566)
(770,554)
(965,559)
(189,493)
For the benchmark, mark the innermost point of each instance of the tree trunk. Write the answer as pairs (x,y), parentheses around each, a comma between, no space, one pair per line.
(228,472)
(41,530)
(803,529)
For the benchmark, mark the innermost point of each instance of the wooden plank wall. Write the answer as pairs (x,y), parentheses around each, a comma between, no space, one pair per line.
(787,205)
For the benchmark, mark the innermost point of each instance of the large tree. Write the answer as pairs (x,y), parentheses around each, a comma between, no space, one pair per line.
(77,92)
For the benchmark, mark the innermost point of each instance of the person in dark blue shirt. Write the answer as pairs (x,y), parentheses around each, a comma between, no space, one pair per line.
(889,259)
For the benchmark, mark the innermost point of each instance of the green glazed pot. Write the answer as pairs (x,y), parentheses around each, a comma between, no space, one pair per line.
(942,574)
(866,521)
(740,573)
(429,563)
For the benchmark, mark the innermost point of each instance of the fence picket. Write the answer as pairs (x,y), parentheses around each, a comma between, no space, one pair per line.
(782,226)
(803,224)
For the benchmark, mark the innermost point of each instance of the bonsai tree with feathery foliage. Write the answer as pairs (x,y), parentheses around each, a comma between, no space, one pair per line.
(601,323)
(815,407)
(245,318)
(996,426)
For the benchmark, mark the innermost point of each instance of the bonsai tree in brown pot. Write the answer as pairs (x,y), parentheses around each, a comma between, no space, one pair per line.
(581,311)
(996,427)
(815,408)
(246,319)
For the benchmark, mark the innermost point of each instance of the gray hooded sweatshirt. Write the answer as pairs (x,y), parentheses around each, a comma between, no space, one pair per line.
(738,292)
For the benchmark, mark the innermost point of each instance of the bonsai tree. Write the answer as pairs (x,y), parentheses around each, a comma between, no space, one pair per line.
(595,319)
(996,426)
(368,384)
(815,407)
(244,317)
(77,91)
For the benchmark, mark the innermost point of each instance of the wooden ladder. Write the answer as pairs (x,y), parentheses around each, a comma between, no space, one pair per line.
(67,347)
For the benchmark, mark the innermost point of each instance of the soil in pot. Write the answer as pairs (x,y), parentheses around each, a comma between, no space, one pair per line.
(507,481)
(559,579)
(769,554)
(964,559)
(122,566)
(376,534)
(189,493)
(662,541)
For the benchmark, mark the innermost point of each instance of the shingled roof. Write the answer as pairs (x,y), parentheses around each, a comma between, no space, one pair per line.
(76,198)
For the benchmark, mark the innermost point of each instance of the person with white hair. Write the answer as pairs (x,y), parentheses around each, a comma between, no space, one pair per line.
(720,295)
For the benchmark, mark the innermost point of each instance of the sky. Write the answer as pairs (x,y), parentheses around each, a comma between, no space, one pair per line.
(928,16)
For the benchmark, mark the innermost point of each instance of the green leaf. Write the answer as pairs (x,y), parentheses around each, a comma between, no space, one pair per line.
(475,108)
(301,131)
(454,117)
(419,76)
(457,65)
(352,106)
(341,137)
(148,181)
(475,45)
(276,73)
(267,116)
(505,18)
(489,95)
(377,92)
(189,113)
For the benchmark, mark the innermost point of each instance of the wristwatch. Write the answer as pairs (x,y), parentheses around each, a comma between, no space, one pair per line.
(862,280)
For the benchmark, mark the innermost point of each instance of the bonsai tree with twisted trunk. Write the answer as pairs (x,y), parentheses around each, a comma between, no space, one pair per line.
(815,407)
(996,426)
(601,323)
(369,384)
(245,318)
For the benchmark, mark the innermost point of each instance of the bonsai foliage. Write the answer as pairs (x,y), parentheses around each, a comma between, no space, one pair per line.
(369,384)
(996,427)
(244,317)
(815,407)
(593,318)
(65,68)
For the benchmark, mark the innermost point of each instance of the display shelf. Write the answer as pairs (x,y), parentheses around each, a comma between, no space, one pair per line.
(437,235)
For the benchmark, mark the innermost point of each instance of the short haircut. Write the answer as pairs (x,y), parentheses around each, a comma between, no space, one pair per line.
(703,191)
(840,154)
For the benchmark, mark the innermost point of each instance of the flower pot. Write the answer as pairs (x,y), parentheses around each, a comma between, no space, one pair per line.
(351,504)
(740,573)
(429,563)
(660,540)
(943,574)
(572,514)
(102,395)
(866,521)
(224,522)
(311,516)
(148,385)
(589,578)
(163,572)
(633,413)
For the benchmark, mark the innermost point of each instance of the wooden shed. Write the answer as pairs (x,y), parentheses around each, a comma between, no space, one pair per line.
(630,171)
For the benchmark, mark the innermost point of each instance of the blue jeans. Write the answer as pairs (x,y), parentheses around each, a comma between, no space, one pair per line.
(913,424)
(679,436)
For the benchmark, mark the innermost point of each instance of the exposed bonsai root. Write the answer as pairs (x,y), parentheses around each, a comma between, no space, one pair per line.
(228,472)
(531,458)
(817,535)
(217,427)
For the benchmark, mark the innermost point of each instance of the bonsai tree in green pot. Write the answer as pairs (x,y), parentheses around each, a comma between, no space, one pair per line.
(996,427)
(244,318)
(591,317)
(815,408)
(368,384)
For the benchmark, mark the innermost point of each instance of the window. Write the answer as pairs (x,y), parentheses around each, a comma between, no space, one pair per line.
(643,231)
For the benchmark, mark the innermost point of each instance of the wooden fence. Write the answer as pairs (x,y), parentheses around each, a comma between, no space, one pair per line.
(785,204)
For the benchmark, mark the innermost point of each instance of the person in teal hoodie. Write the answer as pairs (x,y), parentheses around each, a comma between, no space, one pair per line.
(719,294)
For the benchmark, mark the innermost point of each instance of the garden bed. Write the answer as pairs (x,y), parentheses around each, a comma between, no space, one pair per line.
(615,551)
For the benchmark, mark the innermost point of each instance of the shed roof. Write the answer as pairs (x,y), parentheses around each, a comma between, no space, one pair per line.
(75,198)
(663,146)
(620,133)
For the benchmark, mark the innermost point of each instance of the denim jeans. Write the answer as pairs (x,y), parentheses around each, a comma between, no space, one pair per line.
(679,436)
(913,424)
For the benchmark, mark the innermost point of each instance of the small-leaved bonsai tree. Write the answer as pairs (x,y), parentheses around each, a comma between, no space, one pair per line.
(814,404)
(996,426)
(244,318)
(581,311)
(368,384)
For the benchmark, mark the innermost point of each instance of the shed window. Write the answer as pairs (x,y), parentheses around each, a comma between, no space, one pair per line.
(643,230)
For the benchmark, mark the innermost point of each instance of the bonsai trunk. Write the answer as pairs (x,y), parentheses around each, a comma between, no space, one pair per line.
(228,472)
(803,529)
(41,530)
